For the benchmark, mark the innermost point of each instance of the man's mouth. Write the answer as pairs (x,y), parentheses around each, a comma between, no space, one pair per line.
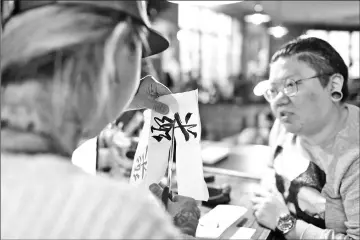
(285,114)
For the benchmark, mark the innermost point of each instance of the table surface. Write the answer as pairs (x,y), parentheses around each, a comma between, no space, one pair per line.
(249,159)
(241,192)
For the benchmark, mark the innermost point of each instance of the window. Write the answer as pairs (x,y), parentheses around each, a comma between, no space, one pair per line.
(354,55)
(340,40)
(346,43)
(210,45)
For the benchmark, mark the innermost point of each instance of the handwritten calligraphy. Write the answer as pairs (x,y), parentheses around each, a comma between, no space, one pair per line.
(166,124)
(141,166)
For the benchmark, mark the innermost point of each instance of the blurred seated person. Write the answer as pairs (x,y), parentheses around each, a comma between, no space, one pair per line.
(312,191)
(63,78)
(259,133)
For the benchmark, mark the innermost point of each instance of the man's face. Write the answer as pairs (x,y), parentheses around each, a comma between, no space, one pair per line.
(128,67)
(125,64)
(306,112)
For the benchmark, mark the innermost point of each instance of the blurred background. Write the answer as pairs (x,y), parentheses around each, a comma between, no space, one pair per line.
(223,48)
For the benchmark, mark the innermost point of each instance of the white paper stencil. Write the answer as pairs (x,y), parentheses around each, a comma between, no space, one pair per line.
(155,142)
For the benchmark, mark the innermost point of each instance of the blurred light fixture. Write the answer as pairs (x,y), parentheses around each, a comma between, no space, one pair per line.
(278,31)
(181,35)
(204,3)
(258,8)
(258,17)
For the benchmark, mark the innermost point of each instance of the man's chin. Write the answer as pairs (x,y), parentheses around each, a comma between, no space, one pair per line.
(291,128)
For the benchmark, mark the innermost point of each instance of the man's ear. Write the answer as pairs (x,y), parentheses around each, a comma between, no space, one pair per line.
(336,83)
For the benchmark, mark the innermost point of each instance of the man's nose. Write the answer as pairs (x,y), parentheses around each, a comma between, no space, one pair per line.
(281,99)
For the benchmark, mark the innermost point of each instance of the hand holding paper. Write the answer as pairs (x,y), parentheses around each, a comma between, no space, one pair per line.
(155,142)
(148,91)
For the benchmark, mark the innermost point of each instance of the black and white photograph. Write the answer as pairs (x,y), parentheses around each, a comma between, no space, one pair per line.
(162,119)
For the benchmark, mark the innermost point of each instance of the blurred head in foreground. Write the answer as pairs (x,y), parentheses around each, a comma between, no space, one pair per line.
(68,69)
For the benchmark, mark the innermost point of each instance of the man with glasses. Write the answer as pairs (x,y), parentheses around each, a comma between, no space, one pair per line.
(315,139)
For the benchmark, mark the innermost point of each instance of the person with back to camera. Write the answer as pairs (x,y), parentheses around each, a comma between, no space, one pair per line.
(312,191)
(67,69)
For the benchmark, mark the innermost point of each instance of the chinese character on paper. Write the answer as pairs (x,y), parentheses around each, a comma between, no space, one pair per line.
(166,124)
(140,166)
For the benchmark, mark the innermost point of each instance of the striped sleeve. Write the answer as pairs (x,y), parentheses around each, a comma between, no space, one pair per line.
(81,209)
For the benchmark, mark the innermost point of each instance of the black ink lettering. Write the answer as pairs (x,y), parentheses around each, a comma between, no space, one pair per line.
(141,166)
(165,128)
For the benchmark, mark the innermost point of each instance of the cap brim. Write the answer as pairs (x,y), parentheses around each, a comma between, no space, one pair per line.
(261,88)
(157,43)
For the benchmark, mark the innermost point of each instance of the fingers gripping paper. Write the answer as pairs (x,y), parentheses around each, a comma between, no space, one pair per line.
(151,157)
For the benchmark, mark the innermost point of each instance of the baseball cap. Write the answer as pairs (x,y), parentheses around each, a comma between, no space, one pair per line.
(135,9)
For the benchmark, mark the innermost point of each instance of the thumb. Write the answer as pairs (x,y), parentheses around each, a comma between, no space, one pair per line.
(155,87)
(156,190)
(157,106)
(161,89)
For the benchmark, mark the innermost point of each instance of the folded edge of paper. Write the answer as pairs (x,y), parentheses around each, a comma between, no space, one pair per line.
(84,156)
(189,165)
(215,222)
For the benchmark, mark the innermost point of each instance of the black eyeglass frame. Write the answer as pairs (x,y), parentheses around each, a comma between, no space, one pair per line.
(269,99)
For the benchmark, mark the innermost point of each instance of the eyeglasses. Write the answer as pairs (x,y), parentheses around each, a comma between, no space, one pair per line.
(290,88)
